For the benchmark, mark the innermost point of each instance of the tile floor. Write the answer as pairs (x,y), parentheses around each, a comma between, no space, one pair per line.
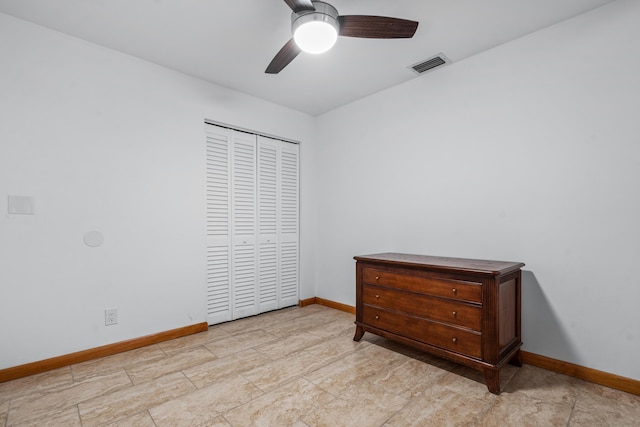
(300,367)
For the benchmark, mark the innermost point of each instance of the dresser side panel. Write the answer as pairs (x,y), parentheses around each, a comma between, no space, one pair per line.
(507,313)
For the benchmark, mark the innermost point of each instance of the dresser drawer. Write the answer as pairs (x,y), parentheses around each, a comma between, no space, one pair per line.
(420,305)
(456,289)
(448,337)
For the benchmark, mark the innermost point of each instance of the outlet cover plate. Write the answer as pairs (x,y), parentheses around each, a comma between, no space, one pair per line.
(110,316)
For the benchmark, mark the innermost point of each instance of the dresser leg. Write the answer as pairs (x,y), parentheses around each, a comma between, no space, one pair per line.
(492,378)
(516,360)
(359,333)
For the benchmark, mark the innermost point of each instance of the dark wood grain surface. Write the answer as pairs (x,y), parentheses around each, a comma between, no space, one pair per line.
(465,310)
(477,266)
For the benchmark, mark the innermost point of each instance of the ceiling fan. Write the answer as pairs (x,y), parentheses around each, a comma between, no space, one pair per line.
(316,25)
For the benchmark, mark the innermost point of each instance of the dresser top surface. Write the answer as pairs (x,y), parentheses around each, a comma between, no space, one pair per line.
(477,266)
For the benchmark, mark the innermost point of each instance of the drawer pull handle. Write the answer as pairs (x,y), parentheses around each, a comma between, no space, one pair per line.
(377,316)
(377,296)
(455,340)
(455,313)
(455,291)
(377,278)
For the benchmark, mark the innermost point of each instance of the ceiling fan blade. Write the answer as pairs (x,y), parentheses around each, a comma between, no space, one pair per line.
(376,27)
(300,5)
(287,54)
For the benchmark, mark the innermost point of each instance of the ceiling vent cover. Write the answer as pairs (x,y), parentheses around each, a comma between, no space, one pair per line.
(430,64)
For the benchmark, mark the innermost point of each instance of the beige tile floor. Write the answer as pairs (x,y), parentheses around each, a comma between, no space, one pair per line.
(300,367)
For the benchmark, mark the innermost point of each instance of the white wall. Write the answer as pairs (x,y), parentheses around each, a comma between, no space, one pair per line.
(103,141)
(528,152)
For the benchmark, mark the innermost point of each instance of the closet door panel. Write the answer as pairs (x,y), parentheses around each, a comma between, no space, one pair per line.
(244,225)
(218,225)
(268,207)
(289,223)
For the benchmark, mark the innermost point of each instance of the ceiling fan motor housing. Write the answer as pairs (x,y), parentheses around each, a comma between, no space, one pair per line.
(324,13)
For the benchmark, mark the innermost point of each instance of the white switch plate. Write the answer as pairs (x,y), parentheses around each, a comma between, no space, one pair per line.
(21,205)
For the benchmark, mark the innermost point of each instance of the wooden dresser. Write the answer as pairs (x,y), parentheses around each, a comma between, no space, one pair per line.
(465,310)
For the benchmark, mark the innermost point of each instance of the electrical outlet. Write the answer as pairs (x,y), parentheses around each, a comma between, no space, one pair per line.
(110,316)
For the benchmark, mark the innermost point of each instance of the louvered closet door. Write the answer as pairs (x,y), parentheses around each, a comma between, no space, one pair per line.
(218,225)
(268,276)
(289,223)
(252,224)
(244,225)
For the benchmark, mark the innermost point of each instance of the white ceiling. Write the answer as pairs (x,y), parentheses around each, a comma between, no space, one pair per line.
(231,42)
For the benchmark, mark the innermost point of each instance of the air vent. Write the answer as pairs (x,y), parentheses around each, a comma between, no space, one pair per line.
(430,64)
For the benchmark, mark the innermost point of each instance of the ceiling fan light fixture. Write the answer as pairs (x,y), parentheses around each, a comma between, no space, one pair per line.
(316,31)
(310,17)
